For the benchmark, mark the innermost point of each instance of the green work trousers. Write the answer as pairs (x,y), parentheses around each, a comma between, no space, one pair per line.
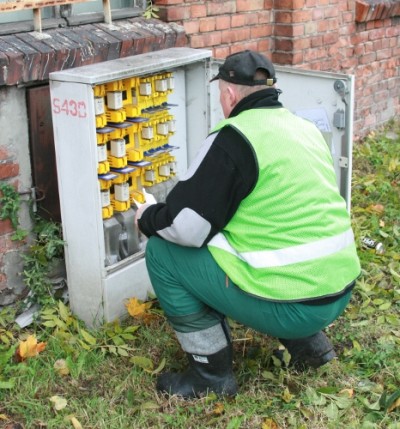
(196,294)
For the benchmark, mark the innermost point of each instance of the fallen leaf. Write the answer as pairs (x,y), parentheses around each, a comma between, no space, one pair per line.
(269,424)
(29,348)
(219,409)
(395,404)
(376,208)
(61,367)
(59,402)
(136,308)
(347,392)
(75,423)
(286,395)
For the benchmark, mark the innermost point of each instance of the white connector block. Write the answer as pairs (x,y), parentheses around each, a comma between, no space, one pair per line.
(118,148)
(114,100)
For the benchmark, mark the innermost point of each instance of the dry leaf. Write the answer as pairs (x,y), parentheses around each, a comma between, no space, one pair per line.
(75,422)
(396,404)
(219,409)
(137,308)
(29,348)
(269,424)
(59,402)
(61,367)
(347,392)
(376,208)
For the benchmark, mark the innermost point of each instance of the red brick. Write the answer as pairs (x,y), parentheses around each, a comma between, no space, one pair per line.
(198,11)
(232,36)
(14,64)
(362,10)
(289,4)
(316,41)
(331,12)
(322,26)
(191,27)
(247,6)
(214,8)
(246,45)
(238,20)
(256,18)
(383,54)
(166,2)
(264,45)
(317,14)
(264,17)
(8,170)
(376,34)
(4,155)
(259,31)
(330,38)
(207,24)
(283,30)
(301,15)
(368,58)
(221,53)
(282,44)
(5,227)
(222,22)
(283,17)
(178,13)
(205,40)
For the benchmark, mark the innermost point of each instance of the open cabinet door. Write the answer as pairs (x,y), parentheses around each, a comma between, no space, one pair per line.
(326,99)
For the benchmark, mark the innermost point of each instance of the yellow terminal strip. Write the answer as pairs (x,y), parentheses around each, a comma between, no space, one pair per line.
(118,162)
(120,206)
(138,196)
(121,177)
(116,116)
(99,91)
(101,121)
(117,85)
(107,212)
(103,167)
(135,183)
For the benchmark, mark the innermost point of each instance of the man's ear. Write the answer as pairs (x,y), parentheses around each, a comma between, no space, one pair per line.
(233,96)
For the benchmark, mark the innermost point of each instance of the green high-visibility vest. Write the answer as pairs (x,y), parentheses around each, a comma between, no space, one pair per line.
(291,237)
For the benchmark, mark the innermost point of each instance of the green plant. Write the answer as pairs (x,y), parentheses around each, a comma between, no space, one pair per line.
(151,11)
(47,247)
(10,202)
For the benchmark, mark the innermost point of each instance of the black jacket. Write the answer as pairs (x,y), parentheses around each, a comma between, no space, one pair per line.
(209,193)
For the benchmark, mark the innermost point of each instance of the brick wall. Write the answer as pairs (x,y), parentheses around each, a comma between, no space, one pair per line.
(360,37)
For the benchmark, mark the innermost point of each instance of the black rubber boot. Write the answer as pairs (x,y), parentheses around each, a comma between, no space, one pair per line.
(309,352)
(205,374)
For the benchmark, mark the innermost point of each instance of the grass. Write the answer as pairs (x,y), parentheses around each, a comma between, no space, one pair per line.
(110,373)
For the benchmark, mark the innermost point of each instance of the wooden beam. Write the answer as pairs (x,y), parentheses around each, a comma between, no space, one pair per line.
(12,6)
(37,20)
(107,11)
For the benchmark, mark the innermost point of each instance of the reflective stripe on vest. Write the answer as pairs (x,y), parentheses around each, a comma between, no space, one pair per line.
(290,255)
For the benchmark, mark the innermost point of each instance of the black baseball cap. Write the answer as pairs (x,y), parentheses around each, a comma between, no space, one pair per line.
(241,67)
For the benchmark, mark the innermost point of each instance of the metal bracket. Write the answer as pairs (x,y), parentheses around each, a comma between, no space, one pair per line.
(343,162)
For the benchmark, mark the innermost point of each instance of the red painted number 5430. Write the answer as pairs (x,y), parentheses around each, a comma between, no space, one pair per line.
(69,108)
